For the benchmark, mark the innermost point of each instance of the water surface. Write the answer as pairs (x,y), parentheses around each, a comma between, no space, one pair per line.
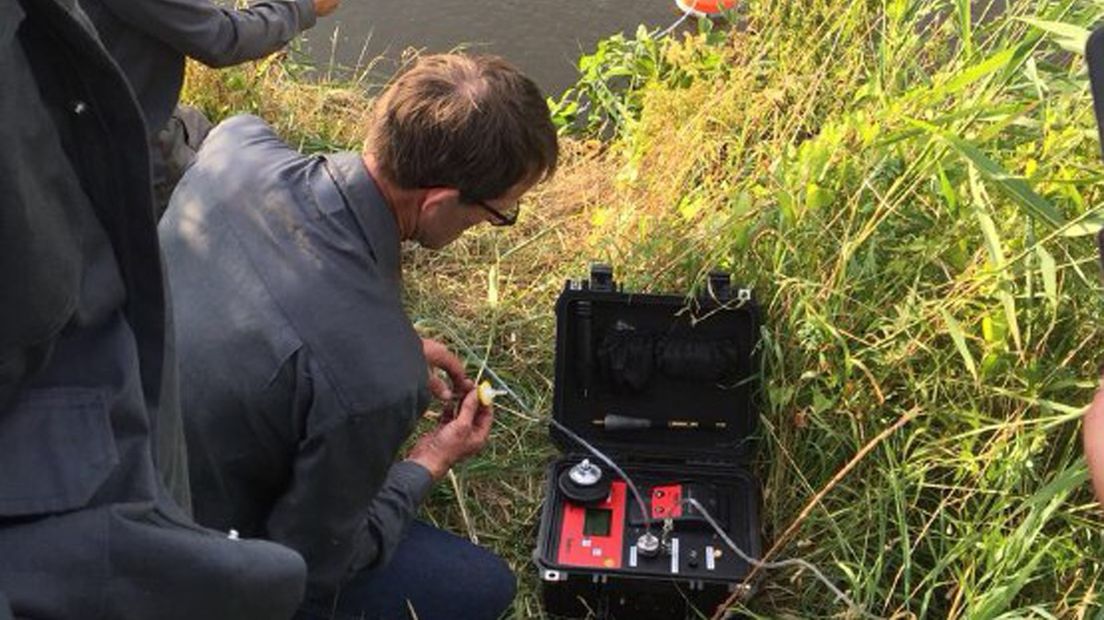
(543,37)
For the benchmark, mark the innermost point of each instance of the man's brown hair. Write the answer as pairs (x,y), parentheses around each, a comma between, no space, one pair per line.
(474,123)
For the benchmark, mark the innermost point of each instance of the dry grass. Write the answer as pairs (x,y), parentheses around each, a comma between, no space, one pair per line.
(310,112)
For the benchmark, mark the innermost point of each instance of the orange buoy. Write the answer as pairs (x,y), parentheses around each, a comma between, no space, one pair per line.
(702,8)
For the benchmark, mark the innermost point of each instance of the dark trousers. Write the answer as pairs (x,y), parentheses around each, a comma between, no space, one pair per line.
(433,575)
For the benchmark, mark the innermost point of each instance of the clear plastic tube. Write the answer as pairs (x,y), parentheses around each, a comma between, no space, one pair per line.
(690,501)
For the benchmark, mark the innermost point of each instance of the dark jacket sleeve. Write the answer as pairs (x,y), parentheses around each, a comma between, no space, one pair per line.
(215,36)
(40,252)
(348,503)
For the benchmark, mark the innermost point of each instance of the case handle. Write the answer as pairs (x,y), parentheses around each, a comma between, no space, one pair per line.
(601,277)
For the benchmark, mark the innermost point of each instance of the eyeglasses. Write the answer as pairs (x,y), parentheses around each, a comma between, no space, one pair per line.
(500,218)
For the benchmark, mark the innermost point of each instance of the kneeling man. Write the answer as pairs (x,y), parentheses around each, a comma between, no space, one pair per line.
(301,373)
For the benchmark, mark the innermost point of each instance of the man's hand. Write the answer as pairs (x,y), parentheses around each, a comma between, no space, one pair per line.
(438,356)
(455,439)
(323,8)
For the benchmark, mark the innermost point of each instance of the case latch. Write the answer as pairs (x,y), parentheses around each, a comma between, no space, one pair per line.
(720,288)
(720,285)
(601,277)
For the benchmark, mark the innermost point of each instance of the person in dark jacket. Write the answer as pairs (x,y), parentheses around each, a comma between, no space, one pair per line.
(302,375)
(88,528)
(150,40)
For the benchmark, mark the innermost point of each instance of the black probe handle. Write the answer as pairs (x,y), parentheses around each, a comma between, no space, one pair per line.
(614,422)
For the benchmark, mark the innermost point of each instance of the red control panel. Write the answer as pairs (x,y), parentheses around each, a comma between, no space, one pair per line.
(594,535)
(667,502)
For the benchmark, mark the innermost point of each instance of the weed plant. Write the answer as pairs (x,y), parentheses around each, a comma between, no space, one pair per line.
(909,187)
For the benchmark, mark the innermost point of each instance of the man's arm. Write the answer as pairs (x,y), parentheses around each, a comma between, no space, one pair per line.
(347,506)
(1093,436)
(220,37)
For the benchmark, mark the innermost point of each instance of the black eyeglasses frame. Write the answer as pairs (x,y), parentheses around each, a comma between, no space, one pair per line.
(499,218)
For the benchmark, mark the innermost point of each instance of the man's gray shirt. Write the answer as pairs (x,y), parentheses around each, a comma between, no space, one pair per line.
(301,375)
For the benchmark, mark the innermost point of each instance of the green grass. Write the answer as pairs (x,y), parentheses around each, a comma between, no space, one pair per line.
(909,186)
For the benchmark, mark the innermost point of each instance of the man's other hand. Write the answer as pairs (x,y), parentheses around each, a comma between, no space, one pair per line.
(456,439)
(323,8)
(439,357)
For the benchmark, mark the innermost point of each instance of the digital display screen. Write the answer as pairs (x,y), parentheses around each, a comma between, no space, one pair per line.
(596,522)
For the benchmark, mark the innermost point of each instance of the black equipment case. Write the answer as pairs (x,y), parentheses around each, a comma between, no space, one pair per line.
(665,386)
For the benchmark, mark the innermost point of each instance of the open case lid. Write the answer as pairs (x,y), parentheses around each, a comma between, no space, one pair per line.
(684,369)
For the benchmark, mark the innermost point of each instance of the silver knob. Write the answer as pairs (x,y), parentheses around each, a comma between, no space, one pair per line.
(585,474)
(647,545)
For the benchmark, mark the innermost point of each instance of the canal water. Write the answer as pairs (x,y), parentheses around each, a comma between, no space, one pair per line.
(543,37)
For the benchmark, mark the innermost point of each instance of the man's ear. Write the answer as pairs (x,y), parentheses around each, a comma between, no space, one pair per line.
(438,196)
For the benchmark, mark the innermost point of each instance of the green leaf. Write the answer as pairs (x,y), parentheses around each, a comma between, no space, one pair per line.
(959,338)
(996,256)
(1050,277)
(817,197)
(1017,566)
(965,25)
(992,240)
(1084,228)
(975,72)
(1014,187)
(997,599)
(946,190)
(1068,36)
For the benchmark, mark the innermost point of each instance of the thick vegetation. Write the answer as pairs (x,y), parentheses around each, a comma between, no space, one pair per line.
(910,187)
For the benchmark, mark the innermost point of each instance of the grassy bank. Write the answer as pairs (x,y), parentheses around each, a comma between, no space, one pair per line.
(909,187)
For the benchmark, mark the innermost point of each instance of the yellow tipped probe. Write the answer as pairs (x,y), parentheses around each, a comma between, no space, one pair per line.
(487,393)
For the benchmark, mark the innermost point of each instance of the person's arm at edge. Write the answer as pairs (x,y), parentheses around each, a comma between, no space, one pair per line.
(220,37)
(1093,437)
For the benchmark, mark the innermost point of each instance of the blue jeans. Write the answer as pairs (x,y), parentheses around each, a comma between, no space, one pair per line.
(433,575)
